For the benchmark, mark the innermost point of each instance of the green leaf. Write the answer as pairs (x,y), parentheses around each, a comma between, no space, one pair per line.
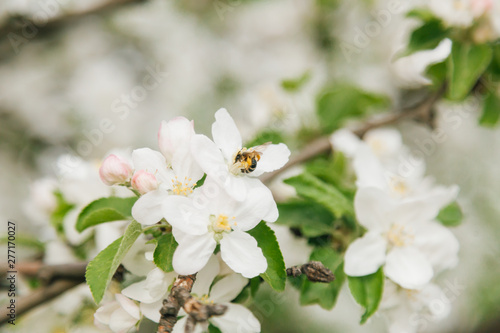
(334,170)
(344,101)
(311,218)
(466,64)
(367,291)
(293,85)
(213,329)
(275,274)
(311,187)
(57,216)
(451,215)
(491,110)
(164,251)
(25,241)
(427,36)
(105,210)
(324,294)
(267,135)
(102,268)
(254,285)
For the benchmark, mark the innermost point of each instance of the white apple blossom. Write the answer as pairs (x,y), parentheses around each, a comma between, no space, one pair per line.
(207,218)
(237,318)
(151,292)
(402,237)
(381,160)
(218,158)
(408,309)
(120,314)
(174,170)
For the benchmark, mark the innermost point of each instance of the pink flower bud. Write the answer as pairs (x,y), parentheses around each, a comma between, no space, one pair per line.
(479,7)
(175,135)
(115,170)
(143,182)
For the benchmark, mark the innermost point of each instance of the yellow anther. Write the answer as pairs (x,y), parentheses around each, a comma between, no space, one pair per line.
(399,236)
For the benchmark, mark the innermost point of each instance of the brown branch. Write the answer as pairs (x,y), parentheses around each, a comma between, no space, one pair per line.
(180,296)
(48,273)
(322,145)
(38,297)
(314,270)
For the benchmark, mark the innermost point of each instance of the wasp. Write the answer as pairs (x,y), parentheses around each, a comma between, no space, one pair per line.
(246,159)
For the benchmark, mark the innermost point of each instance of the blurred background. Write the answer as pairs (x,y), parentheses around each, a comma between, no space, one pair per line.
(86,77)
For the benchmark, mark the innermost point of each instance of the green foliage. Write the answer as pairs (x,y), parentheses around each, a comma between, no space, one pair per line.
(466,65)
(491,110)
(102,268)
(309,217)
(344,101)
(164,251)
(105,210)
(327,195)
(267,135)
(427,36)
(324,294)
(451,215)
(334,170)
(25,241)
(367,291)
(293,85)
(422,14)
(275,274)
(213,329)
(62,208)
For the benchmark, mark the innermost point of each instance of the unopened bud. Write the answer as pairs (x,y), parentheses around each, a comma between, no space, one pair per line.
(143,182)
(115,170)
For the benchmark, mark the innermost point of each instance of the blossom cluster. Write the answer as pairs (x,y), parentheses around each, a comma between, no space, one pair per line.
(397,205)
(213,216)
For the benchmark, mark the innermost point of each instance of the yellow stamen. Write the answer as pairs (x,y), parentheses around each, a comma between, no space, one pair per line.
(399,236)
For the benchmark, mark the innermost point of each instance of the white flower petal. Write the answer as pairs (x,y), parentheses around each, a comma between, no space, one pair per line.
(129,306)
(152,310)
(236,187)
(193,253)
(225,134)
(408,267)
(384,141)
(365,255)
(147,209)
(121,321)
(104,312)
(181,213)
(259,205)
(151,161)
(345,141)
(273,158)
(372,207)
(206,276)
(368,168)
(240,252)
(226,289)
(174,136)
(237,319)
(209,157)
(139,292)
(438,244)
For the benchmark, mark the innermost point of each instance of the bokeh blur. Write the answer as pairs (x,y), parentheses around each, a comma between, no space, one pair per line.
(86,77)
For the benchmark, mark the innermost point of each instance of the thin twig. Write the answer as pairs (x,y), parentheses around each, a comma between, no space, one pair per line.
(322,145)
(314,270)
(38,297)
(180,296)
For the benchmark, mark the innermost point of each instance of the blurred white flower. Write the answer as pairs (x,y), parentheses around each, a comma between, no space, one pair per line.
(402,237)
(225,161)
(120,314)
(206,219)
(407,309)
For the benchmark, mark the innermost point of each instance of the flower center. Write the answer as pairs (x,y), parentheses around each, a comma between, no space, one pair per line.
(205,300)
(399,186)
(184,187)
(221,224)
(411,294)
(245,160)
(398,236)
